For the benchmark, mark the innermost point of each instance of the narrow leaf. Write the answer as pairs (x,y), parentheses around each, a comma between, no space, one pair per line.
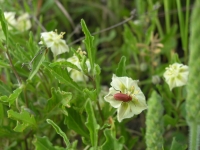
(89,43)
(1,114)
(92,124)
(59,131)
(121,69)
(37,62)
(64,64)
(4,64)
(4,25)
(62,75)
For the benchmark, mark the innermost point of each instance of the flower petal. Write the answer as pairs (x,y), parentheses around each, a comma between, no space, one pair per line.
(124,111)
(137,106)
(110,98)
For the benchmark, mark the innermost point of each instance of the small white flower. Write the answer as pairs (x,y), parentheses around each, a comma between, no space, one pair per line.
(23,22)
(126,96)
(76,75)
(55,42)
(176,75)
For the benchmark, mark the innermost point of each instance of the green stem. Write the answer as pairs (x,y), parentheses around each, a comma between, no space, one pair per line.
(186,29)
(194,136)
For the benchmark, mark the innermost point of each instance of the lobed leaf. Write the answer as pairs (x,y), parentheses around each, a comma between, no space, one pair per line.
(11,99)
(58,98)
(23,117)
(111,142)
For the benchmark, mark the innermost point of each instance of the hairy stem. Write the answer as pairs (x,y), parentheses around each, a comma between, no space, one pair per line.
(194,136)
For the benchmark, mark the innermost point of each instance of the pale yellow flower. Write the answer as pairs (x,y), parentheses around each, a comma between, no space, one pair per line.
(126,96)
(176,75)
(55,42)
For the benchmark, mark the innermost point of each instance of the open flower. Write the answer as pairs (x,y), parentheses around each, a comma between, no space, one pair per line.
(126,96)
(176,75)
(55,42)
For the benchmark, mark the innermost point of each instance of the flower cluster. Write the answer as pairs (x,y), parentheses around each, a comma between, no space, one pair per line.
(126,96)
(54,41)
(176,75)
(22,23)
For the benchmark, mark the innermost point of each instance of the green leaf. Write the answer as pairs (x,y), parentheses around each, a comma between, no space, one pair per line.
(111,142)
(76,124)
(5,132)
(62,75)
(168,120)
(64,64)
(23,117)
(4,89)
(11,99)
(89,44)
(58,98)
(177,146)
(37,62)
(42,143)
(4,64)
(91,124)
(32,45)
(121,69)
(1,114)
(60,132)
(4,25)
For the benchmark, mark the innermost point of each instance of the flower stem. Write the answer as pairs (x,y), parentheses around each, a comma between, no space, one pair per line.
(194,136)
(13,68)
